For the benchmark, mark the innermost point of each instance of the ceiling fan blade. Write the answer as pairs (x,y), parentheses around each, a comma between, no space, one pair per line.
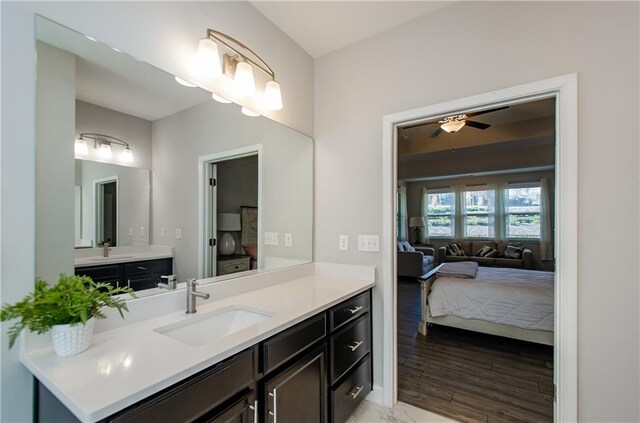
(418,124)
(487,111)
(436,132)
(478,125)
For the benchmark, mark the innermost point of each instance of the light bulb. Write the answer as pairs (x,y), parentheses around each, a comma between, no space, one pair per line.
(104,150)
(272,96)
(452,125)
(243,79)
(127,155)
(184,82)
(80,147)
(207,59)
(249,112)
(220,99)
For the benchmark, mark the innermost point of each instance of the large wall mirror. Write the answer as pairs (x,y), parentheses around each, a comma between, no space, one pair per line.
(136,167)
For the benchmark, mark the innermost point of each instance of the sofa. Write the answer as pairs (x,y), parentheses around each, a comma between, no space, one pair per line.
(414,262)
(471,248)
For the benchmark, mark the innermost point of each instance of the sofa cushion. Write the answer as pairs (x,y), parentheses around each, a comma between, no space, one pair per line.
(509,262)
(484,261)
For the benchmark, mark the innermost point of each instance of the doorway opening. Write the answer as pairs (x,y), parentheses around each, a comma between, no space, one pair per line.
(230,212)
(106,200)
(564,91)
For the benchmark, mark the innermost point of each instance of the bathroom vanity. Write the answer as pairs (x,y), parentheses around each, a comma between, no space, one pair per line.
(307,359)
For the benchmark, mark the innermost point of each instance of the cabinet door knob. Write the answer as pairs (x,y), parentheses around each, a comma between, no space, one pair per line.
(356,391)
(355,345)
(354,310)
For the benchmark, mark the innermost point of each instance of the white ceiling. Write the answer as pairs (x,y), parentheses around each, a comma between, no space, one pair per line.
(321,27)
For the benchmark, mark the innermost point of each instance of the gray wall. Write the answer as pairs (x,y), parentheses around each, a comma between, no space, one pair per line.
(55,168)
(505,44)
(182,25)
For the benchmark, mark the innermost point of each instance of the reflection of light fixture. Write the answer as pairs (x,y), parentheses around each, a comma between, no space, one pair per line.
(80,147)
(238,66)
(103,144)
(453,123)
(249,112)
(227,222)
(184,82)
(417,222)
(220,99)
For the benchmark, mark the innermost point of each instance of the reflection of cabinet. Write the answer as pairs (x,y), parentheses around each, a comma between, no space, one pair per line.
(317,371)
(232,264)
(136,274)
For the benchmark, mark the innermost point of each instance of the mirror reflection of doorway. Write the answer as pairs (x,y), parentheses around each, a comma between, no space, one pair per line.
(107,212)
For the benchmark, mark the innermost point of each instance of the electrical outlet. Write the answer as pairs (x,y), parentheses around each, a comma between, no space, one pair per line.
(288,240)
(343,243)
(270,238)
(141,231)
(369,243)
(178,233)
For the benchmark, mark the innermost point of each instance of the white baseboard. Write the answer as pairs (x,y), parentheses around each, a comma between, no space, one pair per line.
(375,395)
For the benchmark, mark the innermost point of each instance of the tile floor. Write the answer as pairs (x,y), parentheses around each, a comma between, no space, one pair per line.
(368,412)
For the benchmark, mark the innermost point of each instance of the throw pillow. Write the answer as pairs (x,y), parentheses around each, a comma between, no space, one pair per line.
(407,246)
(513,251)
(252,250)
(454,249)
(400,246)
(482,252)
(491,254)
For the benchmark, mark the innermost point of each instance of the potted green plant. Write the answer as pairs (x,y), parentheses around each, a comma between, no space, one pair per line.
(68,309)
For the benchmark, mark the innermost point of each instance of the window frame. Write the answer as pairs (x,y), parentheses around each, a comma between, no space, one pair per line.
(491,217)
(452,215)
(506,213)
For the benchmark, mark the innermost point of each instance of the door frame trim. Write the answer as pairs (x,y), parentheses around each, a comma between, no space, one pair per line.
(565,90)
(203,200)
(96,212)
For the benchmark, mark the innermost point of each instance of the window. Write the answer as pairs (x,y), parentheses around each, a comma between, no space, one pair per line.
(478,218)
(440,214)
(522,212)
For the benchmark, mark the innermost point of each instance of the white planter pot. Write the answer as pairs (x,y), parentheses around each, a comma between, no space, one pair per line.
(72,339)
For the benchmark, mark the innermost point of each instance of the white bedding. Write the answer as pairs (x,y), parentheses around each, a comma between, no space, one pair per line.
(516,297)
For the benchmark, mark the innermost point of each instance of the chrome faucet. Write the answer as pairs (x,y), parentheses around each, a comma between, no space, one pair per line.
(171,282)
(105,249)
(192,294)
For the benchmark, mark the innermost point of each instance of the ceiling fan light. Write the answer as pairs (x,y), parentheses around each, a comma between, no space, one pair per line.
(243,79)
(80,147)
(452,125)
(220,99)
(272,96)
(207,59)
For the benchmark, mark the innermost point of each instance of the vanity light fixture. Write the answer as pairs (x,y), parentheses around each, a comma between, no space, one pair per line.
(184,82)
(249,112)
(103,144)
(220,99)
(238,66)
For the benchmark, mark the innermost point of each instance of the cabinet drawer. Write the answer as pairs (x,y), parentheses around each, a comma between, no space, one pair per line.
(349,345)
(100,273)
(233,266)
(346,397)
(190,400)
(140,282)
(162,266)
(349,310)
(287,344)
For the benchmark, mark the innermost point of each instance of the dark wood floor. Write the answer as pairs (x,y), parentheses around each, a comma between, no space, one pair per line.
(468,376)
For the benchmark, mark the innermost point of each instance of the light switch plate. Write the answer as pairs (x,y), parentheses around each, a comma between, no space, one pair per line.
(369,243)
(343,243)
(130,231)
(141,231)
(288,240)
(270,238)
(178,233)
(162,232)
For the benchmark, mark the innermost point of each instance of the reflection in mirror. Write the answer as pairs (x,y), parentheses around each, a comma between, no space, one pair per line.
(179,183)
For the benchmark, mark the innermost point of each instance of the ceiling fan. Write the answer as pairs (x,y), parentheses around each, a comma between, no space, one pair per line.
(455,123)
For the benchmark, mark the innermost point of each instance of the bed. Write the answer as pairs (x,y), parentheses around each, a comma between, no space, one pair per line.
(515,303)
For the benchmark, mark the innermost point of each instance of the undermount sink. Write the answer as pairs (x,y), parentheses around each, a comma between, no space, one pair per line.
(116,257)
(215,325)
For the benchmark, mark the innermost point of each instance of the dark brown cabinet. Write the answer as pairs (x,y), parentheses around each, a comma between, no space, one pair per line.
(137,275)
(317,371)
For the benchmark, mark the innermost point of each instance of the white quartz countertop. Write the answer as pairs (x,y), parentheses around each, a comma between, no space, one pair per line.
(119,258)
(128,364)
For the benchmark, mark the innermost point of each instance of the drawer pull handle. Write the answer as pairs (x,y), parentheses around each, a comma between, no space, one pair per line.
(357,390)
(356,345)
(354,310)
(275,405)
(142,268)
(254,409)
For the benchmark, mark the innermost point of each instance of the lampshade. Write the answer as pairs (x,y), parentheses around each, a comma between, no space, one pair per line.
(127,155)
(243,79)
(228,222)
(207,62)
(184,82)
(80,147)
(452,125)
(417,222)
(249,112)
(220,99)
(104,150)
(272,96)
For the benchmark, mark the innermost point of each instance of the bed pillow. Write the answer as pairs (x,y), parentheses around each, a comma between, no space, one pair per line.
(252,250)
(513,251)
(407,246)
